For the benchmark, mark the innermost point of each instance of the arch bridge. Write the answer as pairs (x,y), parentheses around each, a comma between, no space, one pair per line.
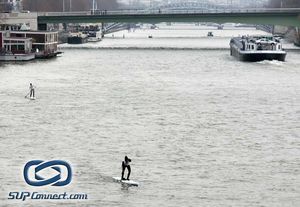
(187,5)
(285,17)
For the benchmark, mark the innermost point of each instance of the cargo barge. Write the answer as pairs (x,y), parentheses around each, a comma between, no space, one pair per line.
(257,48)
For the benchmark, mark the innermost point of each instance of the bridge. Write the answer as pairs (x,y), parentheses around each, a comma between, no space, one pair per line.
(186,5)
(284,17)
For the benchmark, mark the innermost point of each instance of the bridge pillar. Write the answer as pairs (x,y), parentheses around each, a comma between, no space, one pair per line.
(102,29)
(42,27)
(297,41)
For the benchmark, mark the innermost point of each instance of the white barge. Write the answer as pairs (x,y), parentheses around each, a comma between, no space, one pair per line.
(257,48)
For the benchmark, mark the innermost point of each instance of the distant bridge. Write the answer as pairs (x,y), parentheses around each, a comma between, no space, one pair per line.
(187,5)
(284,17)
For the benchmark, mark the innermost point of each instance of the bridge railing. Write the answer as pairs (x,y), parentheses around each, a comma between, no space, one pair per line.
(167,11)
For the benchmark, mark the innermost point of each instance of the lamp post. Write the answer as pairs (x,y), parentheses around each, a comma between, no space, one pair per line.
(93,9)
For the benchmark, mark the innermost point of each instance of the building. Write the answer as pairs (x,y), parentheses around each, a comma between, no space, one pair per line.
(17,20)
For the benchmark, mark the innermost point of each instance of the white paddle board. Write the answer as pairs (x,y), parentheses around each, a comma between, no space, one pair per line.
(30,98)
(127,182)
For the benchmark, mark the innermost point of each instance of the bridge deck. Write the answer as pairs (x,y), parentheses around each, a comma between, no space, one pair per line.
(287,17)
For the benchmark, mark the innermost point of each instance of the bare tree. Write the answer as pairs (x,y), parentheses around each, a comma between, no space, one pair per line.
(284,3)
(70,5)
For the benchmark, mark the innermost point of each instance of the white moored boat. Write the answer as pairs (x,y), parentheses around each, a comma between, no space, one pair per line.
(15,48)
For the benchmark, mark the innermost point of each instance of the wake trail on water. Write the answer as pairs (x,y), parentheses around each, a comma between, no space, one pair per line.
(271,62)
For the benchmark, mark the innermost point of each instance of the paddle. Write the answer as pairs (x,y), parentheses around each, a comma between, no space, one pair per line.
(27,95)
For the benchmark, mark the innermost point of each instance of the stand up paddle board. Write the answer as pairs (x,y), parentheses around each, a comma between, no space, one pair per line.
(30,98)
(127,182)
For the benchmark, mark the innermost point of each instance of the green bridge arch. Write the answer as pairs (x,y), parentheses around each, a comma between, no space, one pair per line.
(284,18)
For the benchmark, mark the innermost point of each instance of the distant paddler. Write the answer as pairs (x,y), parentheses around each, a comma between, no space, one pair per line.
(31,93)
(125,164)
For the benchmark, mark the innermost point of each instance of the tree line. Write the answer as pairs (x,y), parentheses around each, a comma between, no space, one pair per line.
(284,3)
(67,5)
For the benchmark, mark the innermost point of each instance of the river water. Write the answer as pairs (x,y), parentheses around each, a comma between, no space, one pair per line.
(201,128)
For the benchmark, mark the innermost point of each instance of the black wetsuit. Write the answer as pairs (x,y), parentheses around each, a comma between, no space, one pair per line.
(31,91)
(124,166)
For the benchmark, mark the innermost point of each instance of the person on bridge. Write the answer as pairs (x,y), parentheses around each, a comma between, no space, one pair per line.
(125,164)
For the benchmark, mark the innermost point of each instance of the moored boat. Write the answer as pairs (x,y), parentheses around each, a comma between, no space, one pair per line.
(77,38)
(44,43)
(94,36)
(210,34)
(16,57)
(93,32)
(15,48)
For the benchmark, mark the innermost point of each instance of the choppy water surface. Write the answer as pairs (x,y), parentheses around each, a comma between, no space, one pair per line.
(201,128)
